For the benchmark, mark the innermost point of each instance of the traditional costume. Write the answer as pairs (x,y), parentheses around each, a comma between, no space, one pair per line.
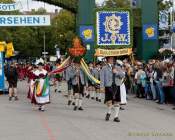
(96,74)
(41,95)
(111,79)
(91,88)
(78,82)
(69,85)
(31,80)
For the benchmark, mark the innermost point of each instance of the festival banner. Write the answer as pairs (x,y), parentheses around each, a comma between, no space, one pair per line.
(87,33)
(113,28)
(9,6)
(114,52)
(163,20)
(24,20)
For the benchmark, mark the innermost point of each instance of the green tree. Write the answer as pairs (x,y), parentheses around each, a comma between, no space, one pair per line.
(117,3)
(136,12)
(164,5)
(63,27)
(29,40)
(7,1)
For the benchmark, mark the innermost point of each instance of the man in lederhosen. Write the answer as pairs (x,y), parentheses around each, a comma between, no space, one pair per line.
(111,79)
(96,74)
(69,84)
(78,82)
(91,88)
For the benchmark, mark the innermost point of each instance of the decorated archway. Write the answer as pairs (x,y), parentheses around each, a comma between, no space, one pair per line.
(147,36)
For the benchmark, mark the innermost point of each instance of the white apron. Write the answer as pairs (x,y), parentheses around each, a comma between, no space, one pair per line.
(123,94)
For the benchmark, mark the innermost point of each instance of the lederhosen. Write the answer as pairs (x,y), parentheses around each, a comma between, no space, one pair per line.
(97,86)
(69,84)
(79,87)
(112,93)
(69,81)
(90,84)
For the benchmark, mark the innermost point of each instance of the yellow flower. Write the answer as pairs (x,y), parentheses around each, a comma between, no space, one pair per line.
(150,32)
(87,34)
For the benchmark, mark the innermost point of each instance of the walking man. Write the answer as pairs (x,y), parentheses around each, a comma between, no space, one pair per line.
(111,79)
(78,82)
(12,78)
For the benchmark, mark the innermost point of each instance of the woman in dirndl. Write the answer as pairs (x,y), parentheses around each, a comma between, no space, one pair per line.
(41,95)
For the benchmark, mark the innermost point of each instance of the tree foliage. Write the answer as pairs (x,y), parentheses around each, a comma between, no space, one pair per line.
(7,1)
(117,3)
(136,12)
(70,5)
(164,5)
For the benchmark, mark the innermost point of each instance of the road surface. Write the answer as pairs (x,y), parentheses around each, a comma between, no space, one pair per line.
(141,120)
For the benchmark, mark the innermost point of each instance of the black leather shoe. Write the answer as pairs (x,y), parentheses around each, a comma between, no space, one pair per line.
(10,98)
(92,98)
(16,98)
(107,117)
(73,103)
(80,108)
(116,119)
(42,110)
(121,108)
(75,108)
(99,100)
(69,103)
(96,99)
(88,96)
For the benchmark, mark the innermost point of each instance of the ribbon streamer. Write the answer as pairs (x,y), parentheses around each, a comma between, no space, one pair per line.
(64,63)
(87,72)
(61,67)
(59,70)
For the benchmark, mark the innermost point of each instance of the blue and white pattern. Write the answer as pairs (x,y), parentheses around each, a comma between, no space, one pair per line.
(113,28)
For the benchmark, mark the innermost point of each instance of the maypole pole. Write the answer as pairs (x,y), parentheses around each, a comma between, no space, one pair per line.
(85,26)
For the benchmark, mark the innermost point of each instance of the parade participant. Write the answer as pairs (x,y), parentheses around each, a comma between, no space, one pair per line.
(91,89)
(58,78)
(111,79)
(69,84)
(78,82)
(96,74)
(120,67)
(54,79)
(128,82)
(31,80)
(12,78)
(42,89)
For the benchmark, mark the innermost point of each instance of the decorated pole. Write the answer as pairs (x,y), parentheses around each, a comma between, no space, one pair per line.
(85,26)
(148,44)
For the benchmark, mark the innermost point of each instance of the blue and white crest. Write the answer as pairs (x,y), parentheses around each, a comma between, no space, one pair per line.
(113,28)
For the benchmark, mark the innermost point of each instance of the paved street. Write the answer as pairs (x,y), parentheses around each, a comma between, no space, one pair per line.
(141,120)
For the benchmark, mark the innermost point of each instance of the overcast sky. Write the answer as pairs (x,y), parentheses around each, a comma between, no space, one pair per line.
(33,4)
